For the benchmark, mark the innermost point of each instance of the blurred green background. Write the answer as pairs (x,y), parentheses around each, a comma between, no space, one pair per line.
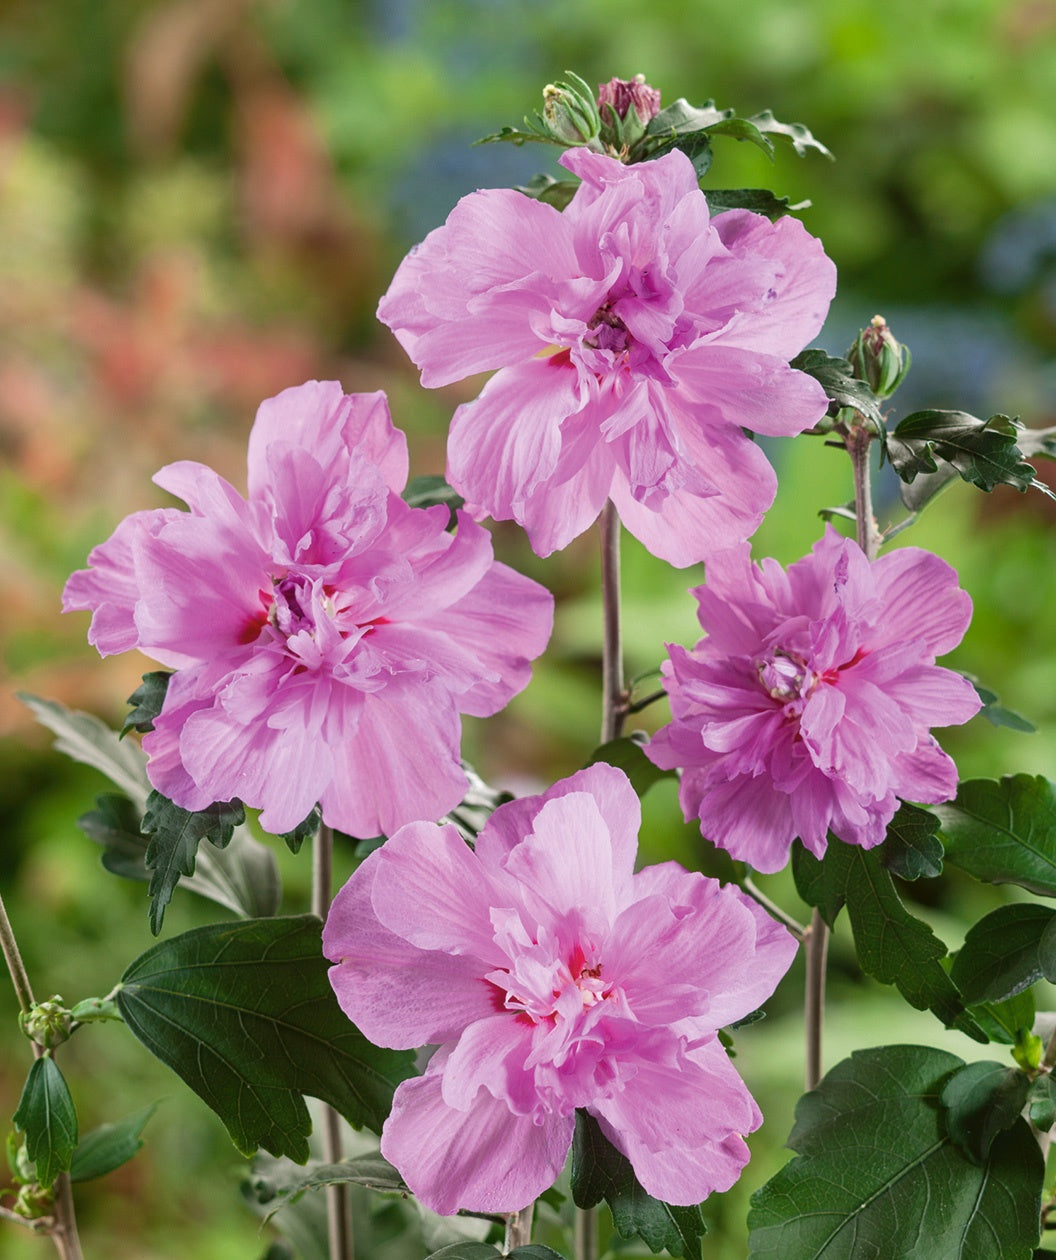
(201,202)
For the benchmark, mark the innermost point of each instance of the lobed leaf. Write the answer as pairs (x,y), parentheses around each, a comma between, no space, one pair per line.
(911,849)
(982,1100)
(109,1146)
(892,945)
(758,200)
(147,701)
(878,1175)
(245,1015)
(600,1171)
(842,387)
(1003,831)
(172,849)
(1006,952)
(85,738)
(47,1117)
(982,452)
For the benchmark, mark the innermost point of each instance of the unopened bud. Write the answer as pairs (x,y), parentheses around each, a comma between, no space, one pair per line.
(48,1023)
(570,113)
(627,107)
(878,358)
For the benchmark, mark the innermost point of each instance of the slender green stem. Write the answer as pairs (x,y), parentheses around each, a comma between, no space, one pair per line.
(816,942)
(614,695)
(586,1236)
(63,1231)
(773,909)
(858,441)
(338,1200)
(519,1228)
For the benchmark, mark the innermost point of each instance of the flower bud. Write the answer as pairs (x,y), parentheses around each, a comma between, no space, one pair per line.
(570,113)
(48,1023)
(627,106)
(878,358)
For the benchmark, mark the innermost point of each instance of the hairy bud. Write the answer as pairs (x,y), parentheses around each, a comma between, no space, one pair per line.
(878,358)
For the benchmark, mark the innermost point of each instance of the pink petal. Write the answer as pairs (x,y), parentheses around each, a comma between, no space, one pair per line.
(485,1159)
(921,600)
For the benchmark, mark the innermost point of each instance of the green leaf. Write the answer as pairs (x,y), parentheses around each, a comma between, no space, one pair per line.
(1041,1102)
(245,1015)
(877,1174)
(476,807)
(982,1100)
(1006,952)
(600,1171)
(1003,831)
(555,192)
(892,945)
(799,136)
(758,200)
(466,1251)
(86,739)
(1009,1021)
(535,1251)
(626,754)
(172,850)
(95,1011)
(431,491)
(371,1171)
(109,1146)
(680,119)
(47,1117)
(115,825)
(996,713)
(303,831)
(982,452)
(911,849)
(147,701)
(841,386)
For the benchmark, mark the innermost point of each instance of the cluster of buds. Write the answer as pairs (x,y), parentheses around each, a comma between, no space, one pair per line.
(612,122)
(878,359)
(48,1023)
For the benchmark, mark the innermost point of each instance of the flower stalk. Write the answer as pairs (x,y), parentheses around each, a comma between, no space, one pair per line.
(63,1230)
(338,1201)
(614,694)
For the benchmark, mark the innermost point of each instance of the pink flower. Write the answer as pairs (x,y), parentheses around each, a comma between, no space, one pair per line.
(635,337)
(807,706)
(326,636)
(551,976)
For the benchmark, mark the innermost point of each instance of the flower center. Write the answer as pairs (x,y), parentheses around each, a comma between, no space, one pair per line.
(609,331)
(785,675)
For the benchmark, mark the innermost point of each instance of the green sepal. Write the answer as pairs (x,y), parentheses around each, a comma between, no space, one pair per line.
(1006,951)
(172,850)
(147,701)
(925,1198)
(980,1101)
(841,386)
(892,945)
(245,1015)
(600,1171)
(46,1115)
(1003,831)
(109,1146)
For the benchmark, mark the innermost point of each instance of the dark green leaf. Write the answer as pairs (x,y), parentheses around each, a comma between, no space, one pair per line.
(535,1251)
(295,838)
(245,1015)
(982,452)
(892,945)
(600,1171)
(758,200)
(742,129)
(912,850)
(982,1100)
(1009,1021)
(47,1117)
(109,1146)
(430,491)
(1037,442)
(175,834)
(466,1251)
(86,739)
(1006,952)
(626,754)
(147,700)
(841,386)
(876,1174)
(1003,831)
(115,824)
(555,192)
(1042,1102)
